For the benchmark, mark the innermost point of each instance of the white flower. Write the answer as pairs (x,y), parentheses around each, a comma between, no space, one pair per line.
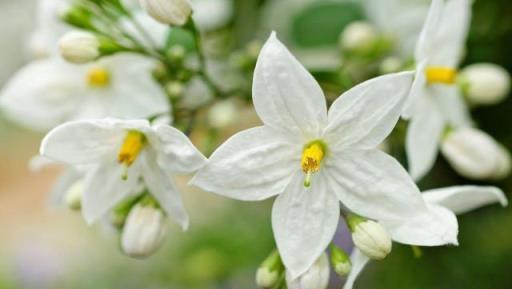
(435,101)
(313,159)
(358,36)
(117,153)
(47,92)
(316,277)
(371,238)
(49,28)
(173,12)
(79,47)
(476,155)
(459,200)
(144,231)
(487,83)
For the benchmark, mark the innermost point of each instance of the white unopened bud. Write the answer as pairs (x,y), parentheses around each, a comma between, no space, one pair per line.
(358,36)
(475,154)
(222,114)
(79,47)
(144,231)
(73,197)
(390,64)
(340,261)
(485,83)
(173,12)
(370,237)
(266,278)
(316,277)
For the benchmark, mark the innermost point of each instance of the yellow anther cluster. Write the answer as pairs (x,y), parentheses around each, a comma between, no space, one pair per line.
(98,77)
(312,157)
(132,146)
(443,75)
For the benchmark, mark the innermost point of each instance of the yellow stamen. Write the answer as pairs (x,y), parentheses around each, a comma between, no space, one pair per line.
(438,74)
(312,157)
(132,145)
(98,77)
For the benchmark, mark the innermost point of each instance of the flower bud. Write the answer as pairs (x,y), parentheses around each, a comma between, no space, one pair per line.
(73,197)
(358,36)
(79,47)
(475,154)
(173,12)
(390,64)
(222,114)
(340,261)
(485,83)
(144,231)
(316,277)
(270,271)
(370,237)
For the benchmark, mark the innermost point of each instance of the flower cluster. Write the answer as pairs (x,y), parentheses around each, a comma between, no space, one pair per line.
(118,98)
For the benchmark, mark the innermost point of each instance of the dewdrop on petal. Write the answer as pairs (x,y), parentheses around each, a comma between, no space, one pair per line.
(358,36)
(173,12)
(370,237)
(79,47)
(144,231)
(485,83)
(475,154)
(316,277)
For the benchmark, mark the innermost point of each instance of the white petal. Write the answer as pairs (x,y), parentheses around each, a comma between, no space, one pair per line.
(463,199)
(451,33)
(81,142)
(304,221)
(426,41)
(435,227)
(175,151)
(418,91)
(285,94)
(88,141)
(423,137)
(359,261)
(162,187)
(104,187)
(42,94)
(374,185)
(452,104)
(254,164)
(366,114)
(134,92)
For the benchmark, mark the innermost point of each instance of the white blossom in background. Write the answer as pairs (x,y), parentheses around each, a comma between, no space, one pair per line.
(476,155)
(436,102)
(43,42)
(48,92)
(313,159)
(316,277)
(212,14)
(485,83)
(117,154)
(399,20)
(358,36)
(459,200)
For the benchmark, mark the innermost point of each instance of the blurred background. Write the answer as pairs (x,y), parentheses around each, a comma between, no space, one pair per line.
(44,247)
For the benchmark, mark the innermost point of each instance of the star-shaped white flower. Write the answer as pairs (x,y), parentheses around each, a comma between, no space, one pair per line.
(313,160)
(117,155)
(436,101)
(460,200)
(48,92)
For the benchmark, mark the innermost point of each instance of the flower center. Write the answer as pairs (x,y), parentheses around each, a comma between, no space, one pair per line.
(131,148)
(312,157)
(98,77)
(439,74)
